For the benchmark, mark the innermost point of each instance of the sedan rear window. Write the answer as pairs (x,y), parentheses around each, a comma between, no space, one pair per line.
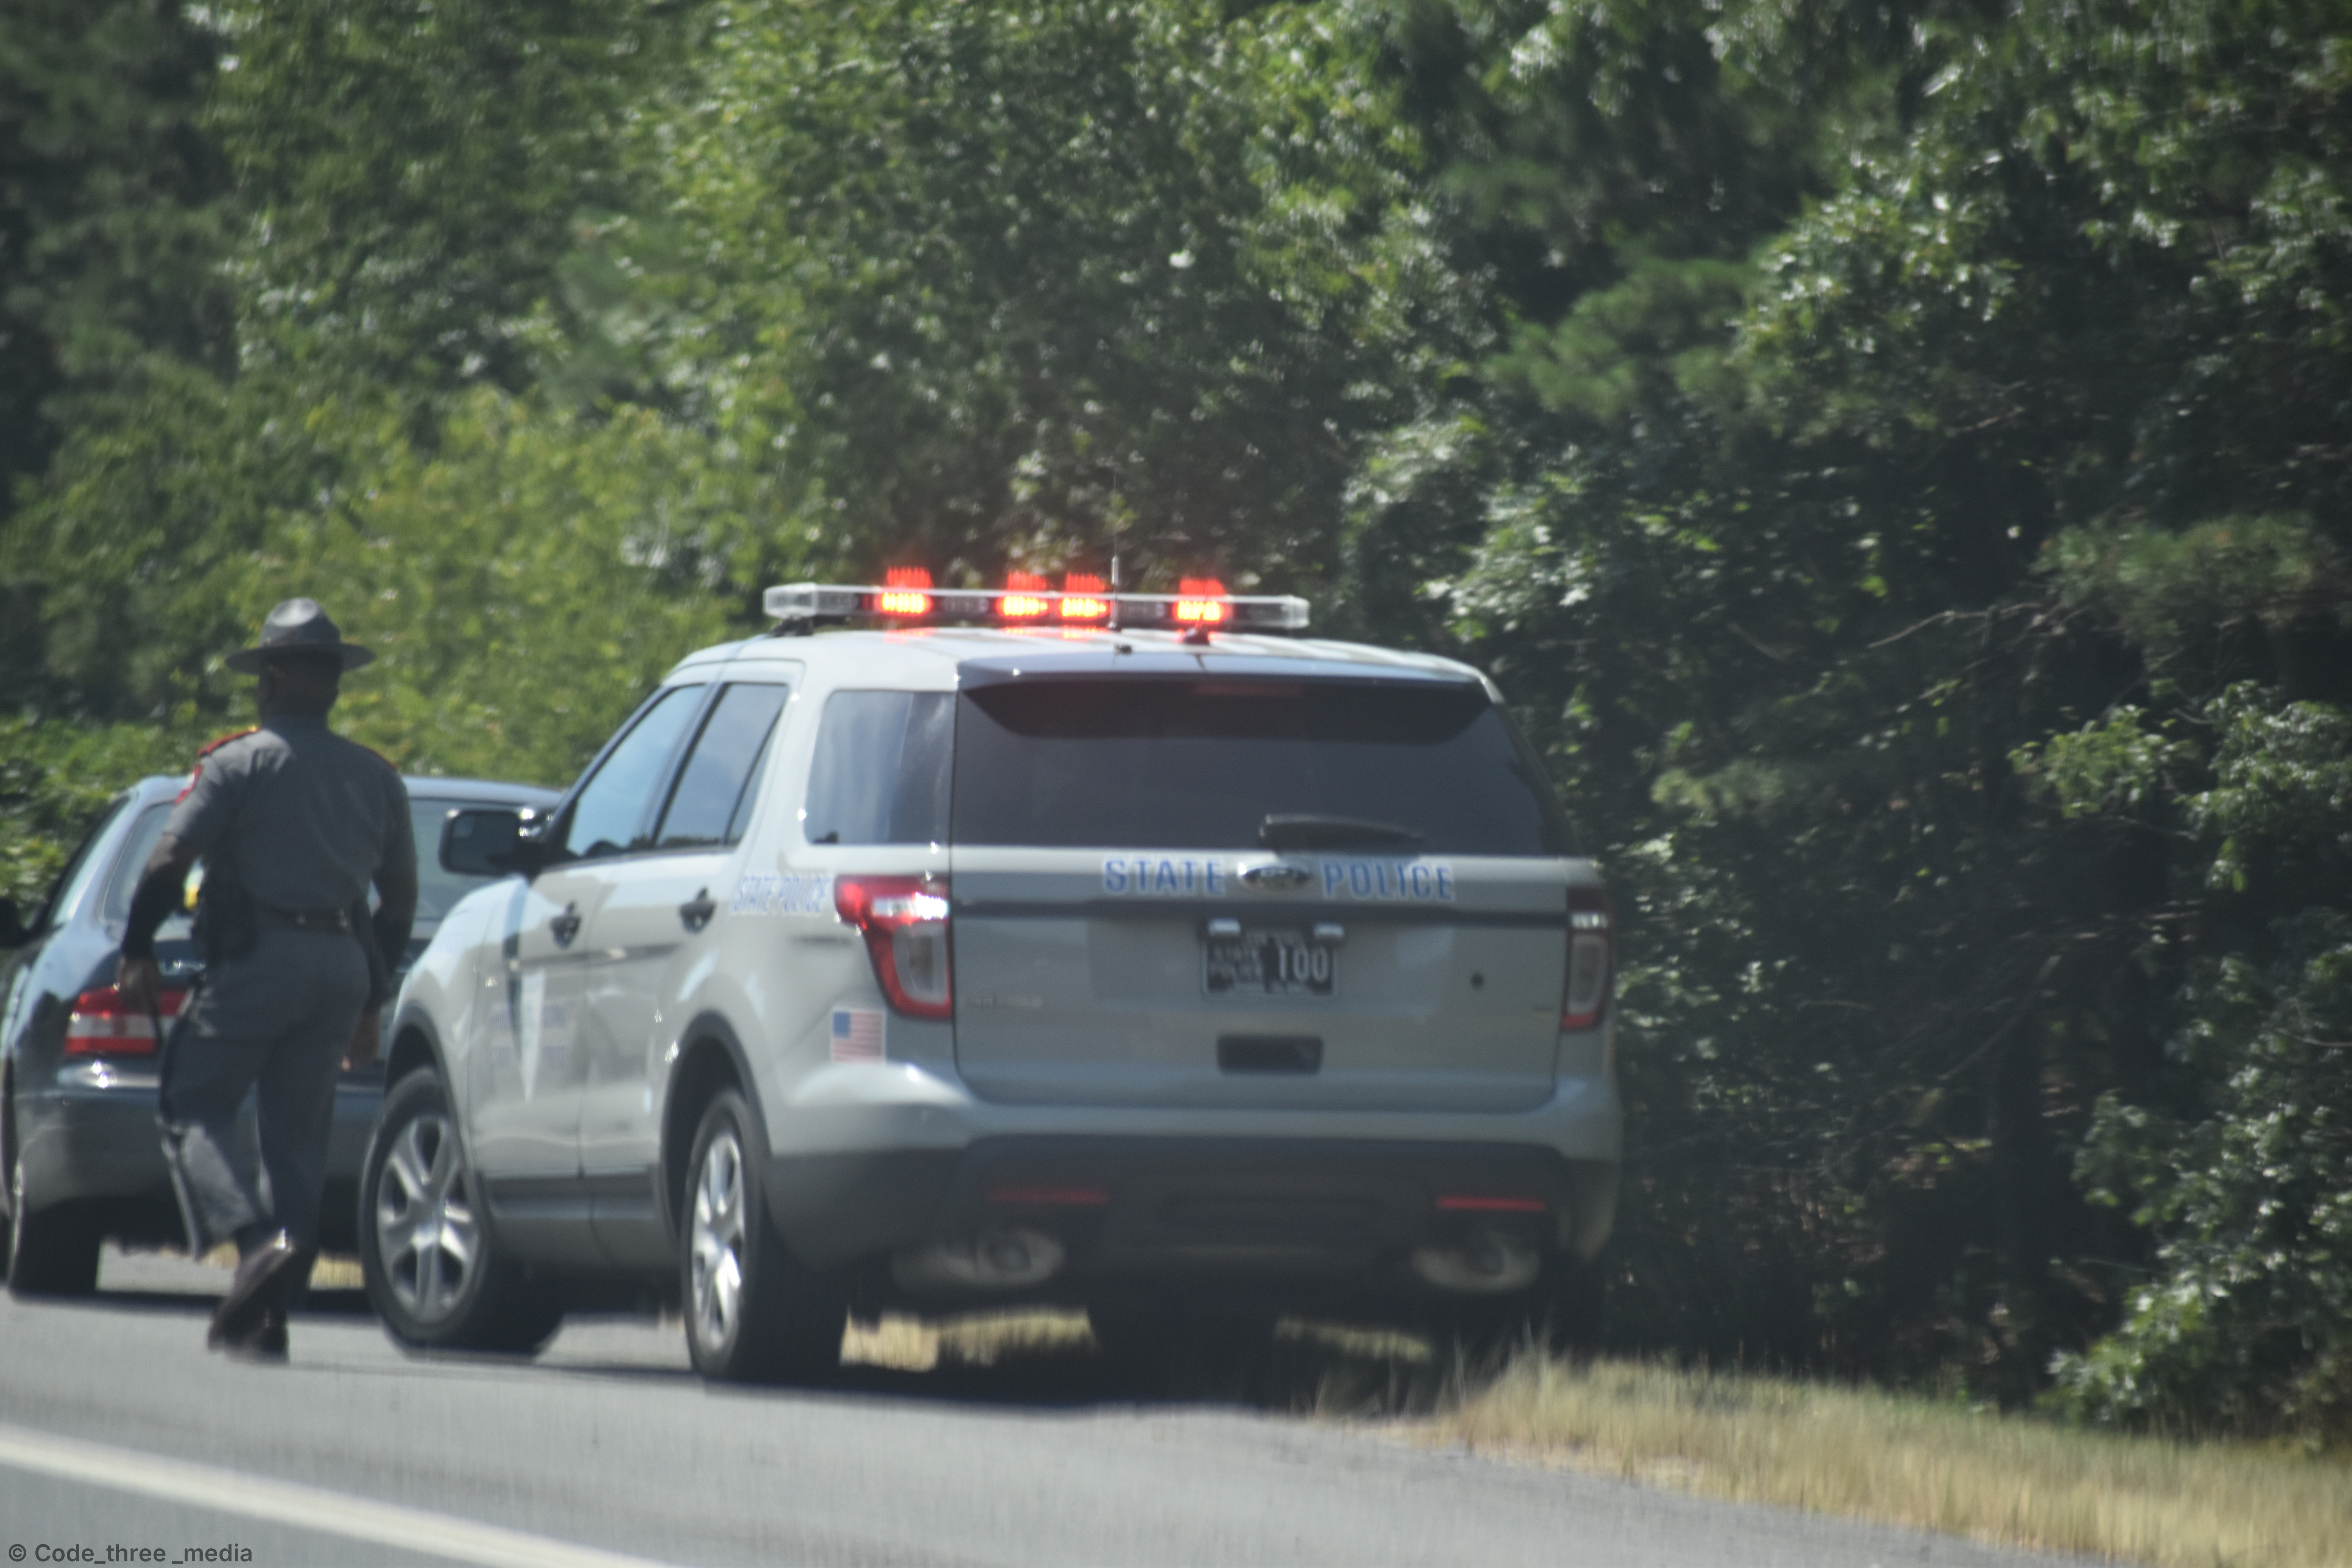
(1204,764)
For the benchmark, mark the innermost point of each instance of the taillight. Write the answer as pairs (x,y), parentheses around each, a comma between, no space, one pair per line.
(1591,934)
(905,922)
(103,1025)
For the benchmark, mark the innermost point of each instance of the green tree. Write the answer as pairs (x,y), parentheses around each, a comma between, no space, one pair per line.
(1040,284)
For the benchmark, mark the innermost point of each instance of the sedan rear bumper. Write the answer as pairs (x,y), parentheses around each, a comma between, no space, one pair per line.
(92,1137)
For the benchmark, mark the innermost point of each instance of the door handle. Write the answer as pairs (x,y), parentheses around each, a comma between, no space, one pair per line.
(696,911)
(566,925)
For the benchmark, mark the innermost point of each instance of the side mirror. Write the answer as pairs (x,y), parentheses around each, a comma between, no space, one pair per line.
(491,841)
(12,933)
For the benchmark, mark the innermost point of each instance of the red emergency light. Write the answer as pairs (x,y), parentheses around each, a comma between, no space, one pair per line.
(897,595)
(1026,597)
(1201,602)
(906,597)
(1085,598)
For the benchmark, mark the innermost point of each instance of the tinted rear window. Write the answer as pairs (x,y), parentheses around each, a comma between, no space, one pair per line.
(1201,764)
(880,774)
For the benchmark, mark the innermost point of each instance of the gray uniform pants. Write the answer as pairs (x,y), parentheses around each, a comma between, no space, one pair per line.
(274,1022)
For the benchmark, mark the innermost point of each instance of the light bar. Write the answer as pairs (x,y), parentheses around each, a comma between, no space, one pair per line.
(906,597)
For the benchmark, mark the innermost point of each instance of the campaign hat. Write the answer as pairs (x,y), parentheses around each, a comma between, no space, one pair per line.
(298,626)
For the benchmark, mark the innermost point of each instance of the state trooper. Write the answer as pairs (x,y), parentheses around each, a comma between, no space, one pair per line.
(293,823)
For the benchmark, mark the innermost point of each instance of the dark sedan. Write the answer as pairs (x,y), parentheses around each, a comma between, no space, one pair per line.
(78,1134)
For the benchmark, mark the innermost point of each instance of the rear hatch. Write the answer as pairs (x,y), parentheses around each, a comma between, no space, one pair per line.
(1252,886)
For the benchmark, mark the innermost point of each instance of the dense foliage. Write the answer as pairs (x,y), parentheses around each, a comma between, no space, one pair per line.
(1896,455)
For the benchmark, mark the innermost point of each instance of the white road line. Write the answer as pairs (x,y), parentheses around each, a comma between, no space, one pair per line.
(304,1508)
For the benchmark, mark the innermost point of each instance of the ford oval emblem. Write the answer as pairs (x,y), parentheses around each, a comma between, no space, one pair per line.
(1277,877)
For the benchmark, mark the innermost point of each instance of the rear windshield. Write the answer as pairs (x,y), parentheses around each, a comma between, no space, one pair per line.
(1202,764)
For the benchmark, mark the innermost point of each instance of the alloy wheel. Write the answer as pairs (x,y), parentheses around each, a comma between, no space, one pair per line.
(717,1241)
(427,1233)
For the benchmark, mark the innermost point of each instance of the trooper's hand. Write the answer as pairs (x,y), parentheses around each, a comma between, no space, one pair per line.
(139,979)
(367,1037)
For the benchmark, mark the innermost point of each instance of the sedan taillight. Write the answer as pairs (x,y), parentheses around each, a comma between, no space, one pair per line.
(1591,942)
(905,922)
(103,1025)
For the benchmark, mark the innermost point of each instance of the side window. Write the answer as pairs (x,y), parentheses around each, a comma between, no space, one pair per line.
(608,812)
(881,771)
(67,891)
(130,864)
(713,797)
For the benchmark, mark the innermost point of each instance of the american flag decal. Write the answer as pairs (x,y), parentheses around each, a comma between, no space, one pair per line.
(857,1035)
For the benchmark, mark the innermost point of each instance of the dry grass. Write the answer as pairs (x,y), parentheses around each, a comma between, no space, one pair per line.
(903,1344)
(1911,1461)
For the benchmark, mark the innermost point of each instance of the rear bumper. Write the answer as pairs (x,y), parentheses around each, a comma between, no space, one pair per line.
(908,1159)
(90,1136)
(1142,1206)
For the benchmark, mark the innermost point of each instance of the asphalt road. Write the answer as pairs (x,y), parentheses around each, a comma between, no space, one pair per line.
(118,1431)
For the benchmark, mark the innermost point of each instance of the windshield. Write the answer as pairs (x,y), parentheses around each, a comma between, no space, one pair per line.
(1203,763)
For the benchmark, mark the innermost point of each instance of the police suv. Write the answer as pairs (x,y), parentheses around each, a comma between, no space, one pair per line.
(958,949)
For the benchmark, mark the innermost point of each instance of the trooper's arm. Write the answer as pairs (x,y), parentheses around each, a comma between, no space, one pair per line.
(161,888)
(396,915)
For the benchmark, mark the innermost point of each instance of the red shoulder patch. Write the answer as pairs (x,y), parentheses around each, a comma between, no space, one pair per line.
(206,750)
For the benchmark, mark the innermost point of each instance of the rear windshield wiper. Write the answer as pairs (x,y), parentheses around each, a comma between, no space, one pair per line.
(1279,832)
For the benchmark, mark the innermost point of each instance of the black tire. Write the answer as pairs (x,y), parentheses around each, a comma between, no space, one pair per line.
(754,1313)
(51,1251)
(416,1193)
(1561,1315)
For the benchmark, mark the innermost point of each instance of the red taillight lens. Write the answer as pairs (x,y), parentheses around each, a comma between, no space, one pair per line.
(1478,1203)
(103,1025)
(1591,942)
(905,922)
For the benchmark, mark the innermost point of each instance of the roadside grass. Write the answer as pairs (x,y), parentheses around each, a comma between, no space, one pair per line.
(2013,1480)
(1894,1458)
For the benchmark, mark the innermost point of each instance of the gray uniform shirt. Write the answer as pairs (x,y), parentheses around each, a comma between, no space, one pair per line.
(304,818)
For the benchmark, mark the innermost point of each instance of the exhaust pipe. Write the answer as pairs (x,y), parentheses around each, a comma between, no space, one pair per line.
(1488,1263)
(1001,1260)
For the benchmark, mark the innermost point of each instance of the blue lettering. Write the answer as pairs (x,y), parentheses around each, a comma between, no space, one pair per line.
(1360,879)
(1381,869)
(1165,882)
(1445,883)
(1114,876)
(1333,875)
(1418,875)
(1216,878)
(1191,866)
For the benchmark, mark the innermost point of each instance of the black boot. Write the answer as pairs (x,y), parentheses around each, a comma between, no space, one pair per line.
(264,1278)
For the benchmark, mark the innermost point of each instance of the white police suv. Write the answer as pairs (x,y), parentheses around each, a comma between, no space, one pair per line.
(1035,945)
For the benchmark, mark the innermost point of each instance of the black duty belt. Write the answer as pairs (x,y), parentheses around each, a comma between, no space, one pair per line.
(336,922)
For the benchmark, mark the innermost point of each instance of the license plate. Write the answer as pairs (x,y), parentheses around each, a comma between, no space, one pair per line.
(1269,960)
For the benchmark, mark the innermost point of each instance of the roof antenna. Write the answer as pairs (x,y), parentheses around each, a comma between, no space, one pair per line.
(1113,625)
